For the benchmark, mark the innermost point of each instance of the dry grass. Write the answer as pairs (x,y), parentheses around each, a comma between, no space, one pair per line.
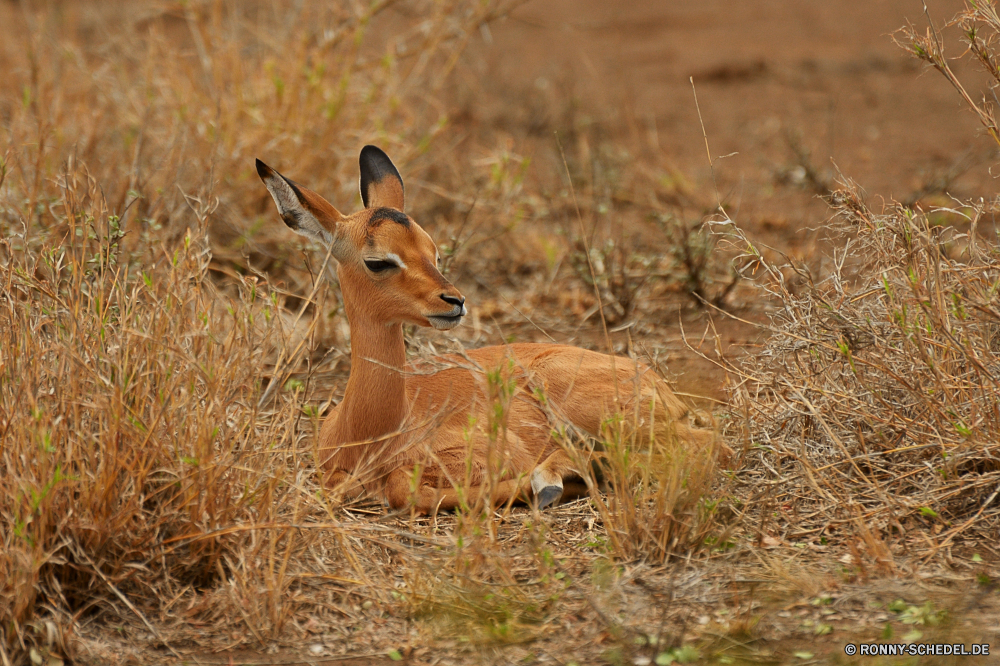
(166,355)
(167,351)
(870,414)
(979,26)
(871,408)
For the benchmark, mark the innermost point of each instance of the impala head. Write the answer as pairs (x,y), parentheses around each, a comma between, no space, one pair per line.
(388,265)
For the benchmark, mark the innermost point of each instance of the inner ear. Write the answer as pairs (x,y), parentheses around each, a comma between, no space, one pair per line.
(302,210)
(381,184)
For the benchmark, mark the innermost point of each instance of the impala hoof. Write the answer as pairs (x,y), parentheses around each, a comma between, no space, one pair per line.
(548,495)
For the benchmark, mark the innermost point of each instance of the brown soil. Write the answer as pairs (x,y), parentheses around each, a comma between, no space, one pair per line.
(790,93)
(828,71)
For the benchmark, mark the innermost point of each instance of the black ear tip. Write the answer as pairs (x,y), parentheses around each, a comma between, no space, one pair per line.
(375,164)
(262,169)
(371,151)
(373,157)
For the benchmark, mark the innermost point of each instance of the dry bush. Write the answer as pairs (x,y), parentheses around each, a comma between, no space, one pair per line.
(157,99)
(662,495)
(139,472)
(871,412)
(872,407)
(697,260)
(618,276)
(496,584)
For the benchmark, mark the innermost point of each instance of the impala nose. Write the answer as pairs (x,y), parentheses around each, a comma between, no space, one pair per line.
(451,300)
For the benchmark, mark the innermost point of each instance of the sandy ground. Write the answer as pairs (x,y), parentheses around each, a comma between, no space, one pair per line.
(827,71)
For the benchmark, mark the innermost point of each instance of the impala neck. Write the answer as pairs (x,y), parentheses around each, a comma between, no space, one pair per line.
(375,399)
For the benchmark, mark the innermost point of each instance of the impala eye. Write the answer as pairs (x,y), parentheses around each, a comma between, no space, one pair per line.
(379,265)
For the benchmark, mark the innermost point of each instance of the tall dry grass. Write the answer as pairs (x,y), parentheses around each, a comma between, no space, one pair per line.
(870,413)
(872,407)
(134,450)
(166,355)
(143,469)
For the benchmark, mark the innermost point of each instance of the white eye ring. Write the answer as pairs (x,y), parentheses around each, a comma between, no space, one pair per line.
(391,256)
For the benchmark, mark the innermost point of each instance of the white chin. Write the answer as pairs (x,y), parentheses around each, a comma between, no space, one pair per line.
(444,323)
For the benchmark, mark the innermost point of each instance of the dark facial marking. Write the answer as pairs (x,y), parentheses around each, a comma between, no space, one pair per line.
(380,214)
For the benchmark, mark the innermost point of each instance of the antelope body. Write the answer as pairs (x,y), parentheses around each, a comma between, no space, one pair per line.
(425,433)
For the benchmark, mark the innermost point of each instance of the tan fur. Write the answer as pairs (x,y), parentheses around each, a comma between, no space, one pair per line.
(421,433)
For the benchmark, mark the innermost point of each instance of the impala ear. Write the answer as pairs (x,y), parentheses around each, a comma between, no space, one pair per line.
(303,210)
(381,185)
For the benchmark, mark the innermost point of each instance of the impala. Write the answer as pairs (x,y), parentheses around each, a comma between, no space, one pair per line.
(426,434)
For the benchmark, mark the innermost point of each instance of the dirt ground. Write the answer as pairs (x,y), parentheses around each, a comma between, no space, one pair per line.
(790,92)
(826,71)
(793,603)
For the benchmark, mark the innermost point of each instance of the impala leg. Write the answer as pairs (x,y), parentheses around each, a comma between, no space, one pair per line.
(546,486)
(343,482)
(428,498)
(547,478)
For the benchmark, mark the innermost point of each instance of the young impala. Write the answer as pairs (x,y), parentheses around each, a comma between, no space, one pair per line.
(423,433)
